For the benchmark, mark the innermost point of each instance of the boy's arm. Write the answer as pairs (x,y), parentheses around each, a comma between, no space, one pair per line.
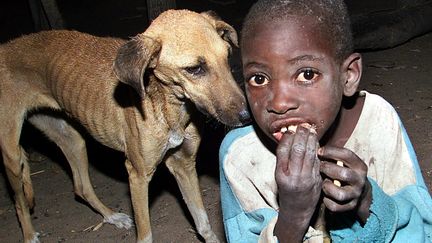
(239,224)
(249,207)
(403,217)
(299,183)
(401,209)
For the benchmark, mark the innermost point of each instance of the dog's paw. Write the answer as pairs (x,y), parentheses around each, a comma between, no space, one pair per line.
(120,220)
(35,238)
(211,238)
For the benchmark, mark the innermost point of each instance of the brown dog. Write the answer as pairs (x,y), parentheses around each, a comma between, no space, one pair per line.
(178,64)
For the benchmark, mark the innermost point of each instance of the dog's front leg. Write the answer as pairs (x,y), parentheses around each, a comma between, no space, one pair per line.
(139,179)
(182,165)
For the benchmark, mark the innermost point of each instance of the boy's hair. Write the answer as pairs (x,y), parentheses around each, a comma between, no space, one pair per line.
(331,16)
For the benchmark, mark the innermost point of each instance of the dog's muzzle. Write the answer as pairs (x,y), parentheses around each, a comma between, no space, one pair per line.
(244,117)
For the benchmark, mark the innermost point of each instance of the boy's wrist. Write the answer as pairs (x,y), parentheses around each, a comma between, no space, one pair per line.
(290,228)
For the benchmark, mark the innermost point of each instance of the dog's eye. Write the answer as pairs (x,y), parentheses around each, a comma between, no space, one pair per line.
(195,70)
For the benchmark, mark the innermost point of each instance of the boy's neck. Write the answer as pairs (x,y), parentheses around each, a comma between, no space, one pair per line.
(345,122)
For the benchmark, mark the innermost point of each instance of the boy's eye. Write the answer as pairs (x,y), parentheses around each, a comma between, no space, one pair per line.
(307,75)
(258,80)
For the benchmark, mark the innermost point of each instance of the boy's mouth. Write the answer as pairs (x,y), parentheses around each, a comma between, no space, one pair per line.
(292,129)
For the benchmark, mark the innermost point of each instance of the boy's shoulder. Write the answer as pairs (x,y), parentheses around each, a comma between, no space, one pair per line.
(377,111)
(234,136)
(243,142)
(378,116)
(375,101)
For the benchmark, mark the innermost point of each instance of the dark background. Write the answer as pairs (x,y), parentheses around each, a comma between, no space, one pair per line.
(377,24)
(394,37)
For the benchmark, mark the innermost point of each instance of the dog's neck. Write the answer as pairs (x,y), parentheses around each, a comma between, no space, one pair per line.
(171,107)
(172,111)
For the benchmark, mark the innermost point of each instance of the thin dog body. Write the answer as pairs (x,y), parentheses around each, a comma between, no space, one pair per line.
(138,96)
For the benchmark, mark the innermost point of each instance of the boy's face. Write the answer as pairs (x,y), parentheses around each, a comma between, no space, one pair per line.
(291,76)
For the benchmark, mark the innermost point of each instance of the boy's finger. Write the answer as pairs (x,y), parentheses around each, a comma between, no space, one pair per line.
(283,152)
(338,173)
(339,194)
(311,162)
(334,171)
(337,182)
(334,206)
(345,156)
(298,150)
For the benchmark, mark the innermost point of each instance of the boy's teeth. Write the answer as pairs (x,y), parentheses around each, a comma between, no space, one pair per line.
(292,128)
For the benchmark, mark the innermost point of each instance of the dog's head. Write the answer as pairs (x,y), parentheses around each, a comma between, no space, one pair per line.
(188,52)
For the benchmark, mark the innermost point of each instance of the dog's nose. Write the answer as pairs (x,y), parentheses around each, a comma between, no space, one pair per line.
(245,116)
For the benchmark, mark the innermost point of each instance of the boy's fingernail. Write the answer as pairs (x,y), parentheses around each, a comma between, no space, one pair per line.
(306,125)
(311,128)
(320,151)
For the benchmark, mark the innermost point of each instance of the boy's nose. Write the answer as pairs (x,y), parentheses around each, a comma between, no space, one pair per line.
(282,99)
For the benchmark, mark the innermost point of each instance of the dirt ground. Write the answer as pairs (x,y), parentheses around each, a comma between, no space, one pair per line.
(402,75)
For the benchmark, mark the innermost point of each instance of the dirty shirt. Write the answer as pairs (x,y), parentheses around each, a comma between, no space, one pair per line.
(401,209)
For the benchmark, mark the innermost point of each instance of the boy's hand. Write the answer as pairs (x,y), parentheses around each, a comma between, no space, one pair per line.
(299,183)
(355,192)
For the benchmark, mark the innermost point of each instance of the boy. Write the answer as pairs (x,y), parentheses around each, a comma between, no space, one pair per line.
(301,77)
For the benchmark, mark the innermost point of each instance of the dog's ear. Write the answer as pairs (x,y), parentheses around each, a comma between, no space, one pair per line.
(133,58)
(226,31)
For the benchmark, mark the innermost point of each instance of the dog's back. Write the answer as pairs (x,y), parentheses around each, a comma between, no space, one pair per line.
(62,70)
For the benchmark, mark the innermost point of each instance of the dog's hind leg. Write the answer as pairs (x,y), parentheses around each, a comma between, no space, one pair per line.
(73,146)
(17,171)
(182,165)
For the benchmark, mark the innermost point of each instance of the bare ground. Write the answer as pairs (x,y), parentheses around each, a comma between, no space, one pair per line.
(402,75)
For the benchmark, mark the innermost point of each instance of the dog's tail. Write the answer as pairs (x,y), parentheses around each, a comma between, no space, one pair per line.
(27,184)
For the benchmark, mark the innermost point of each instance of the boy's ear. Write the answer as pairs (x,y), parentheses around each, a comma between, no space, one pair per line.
(352,68)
